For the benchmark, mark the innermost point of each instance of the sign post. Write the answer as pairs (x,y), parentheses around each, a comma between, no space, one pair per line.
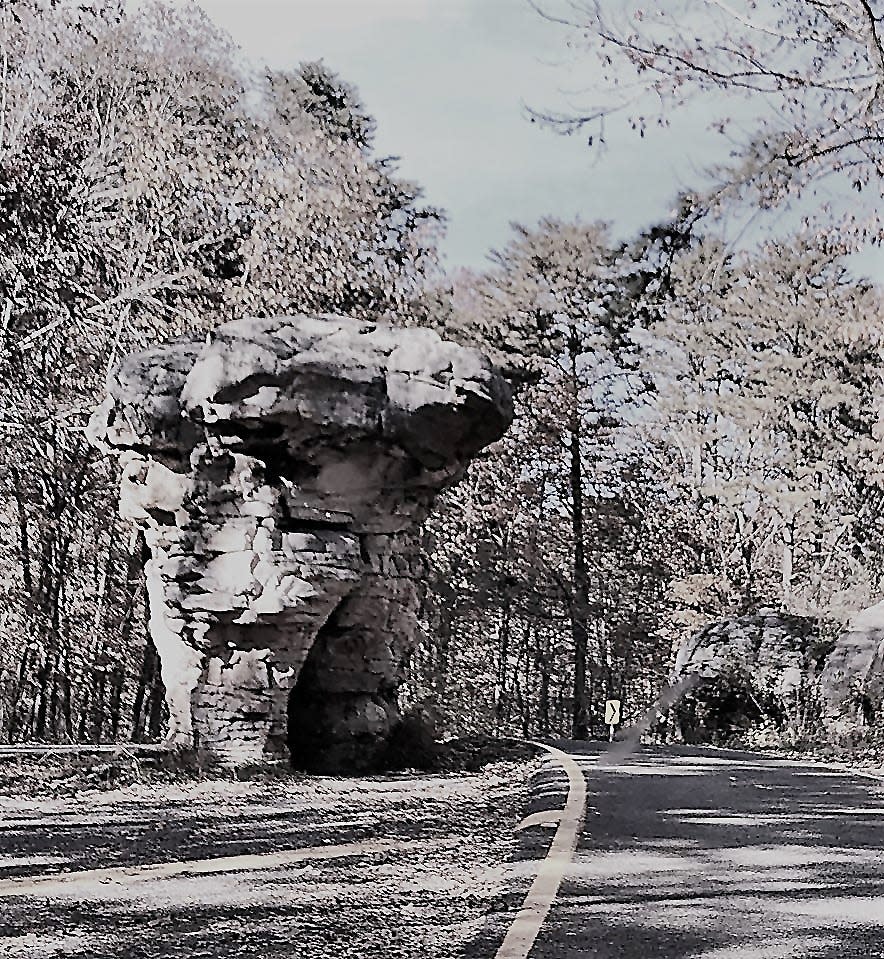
(612,715)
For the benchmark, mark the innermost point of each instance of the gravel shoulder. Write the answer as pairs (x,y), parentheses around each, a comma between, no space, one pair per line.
(446,886)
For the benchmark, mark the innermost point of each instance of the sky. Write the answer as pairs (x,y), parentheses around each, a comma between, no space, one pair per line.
(449,82)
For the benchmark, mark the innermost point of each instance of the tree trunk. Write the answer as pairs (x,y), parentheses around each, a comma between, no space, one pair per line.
(116,695)
(18,692)
(543,696)
(502,705)
(580,597)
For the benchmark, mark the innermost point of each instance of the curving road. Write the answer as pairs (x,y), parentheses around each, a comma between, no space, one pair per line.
(713,854)
(695,854)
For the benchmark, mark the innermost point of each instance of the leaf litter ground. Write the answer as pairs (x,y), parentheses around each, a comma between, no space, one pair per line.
(446,887)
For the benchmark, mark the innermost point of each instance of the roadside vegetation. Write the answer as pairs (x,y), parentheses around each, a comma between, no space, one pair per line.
(697,432)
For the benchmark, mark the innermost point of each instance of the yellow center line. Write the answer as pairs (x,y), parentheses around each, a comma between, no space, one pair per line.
(525,928)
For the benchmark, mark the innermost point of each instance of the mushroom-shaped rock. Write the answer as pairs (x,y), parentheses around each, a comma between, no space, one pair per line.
(280,474)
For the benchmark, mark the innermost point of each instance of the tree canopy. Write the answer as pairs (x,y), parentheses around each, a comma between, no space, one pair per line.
(809,73)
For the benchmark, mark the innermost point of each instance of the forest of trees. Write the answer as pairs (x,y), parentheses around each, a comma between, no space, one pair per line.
(697,421)
(151,184)
(700,443)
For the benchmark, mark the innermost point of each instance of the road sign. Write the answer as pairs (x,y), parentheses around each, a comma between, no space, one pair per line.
(612,712)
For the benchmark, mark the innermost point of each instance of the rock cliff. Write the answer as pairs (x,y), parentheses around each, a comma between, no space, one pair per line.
(852,680)
(281,473)
(777,668)
(752,667)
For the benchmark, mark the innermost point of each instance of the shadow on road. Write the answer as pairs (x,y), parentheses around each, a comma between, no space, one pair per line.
(722,855)
(428,895)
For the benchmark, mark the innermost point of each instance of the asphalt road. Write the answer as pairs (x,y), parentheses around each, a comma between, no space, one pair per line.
(712,854)
(696,854)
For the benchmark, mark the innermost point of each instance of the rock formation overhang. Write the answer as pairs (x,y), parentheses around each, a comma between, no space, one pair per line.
(280,473)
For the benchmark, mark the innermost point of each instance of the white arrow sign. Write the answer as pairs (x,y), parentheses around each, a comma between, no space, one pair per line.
(612,712)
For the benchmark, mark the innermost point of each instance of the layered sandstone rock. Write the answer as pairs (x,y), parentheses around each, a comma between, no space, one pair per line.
(751,669)
(761,667)
(280,474)
(852,680)
(768,647)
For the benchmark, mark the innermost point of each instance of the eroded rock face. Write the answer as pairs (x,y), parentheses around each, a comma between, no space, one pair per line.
(757,668)
(280,474)
(751,669)
(852,680)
